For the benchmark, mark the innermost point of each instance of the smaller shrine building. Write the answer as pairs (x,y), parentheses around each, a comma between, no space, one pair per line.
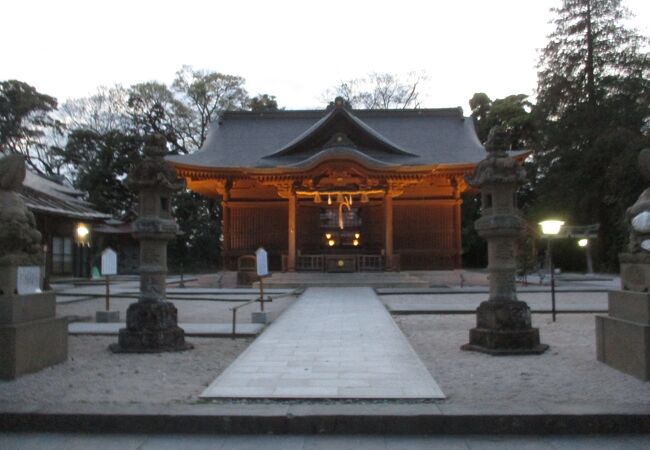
(339,189)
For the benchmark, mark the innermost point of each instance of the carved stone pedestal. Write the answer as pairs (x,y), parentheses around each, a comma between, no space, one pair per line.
(151,328)
(504,328)
(31,337)
(623,336)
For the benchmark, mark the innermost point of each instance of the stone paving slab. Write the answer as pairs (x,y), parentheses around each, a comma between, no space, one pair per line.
(331,343)
(191,329)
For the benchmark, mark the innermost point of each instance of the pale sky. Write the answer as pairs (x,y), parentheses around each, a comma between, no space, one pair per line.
(294,50)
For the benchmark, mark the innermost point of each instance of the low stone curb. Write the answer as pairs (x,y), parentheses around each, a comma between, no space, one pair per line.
(304,418)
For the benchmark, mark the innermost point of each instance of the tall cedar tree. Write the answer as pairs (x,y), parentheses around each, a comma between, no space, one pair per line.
(593,100)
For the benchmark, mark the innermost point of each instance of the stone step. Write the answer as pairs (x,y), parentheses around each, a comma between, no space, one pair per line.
(371,279)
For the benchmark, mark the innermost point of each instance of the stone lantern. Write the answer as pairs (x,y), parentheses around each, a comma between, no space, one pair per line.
(152,322)
(31,337)
(623,336)
(503,323)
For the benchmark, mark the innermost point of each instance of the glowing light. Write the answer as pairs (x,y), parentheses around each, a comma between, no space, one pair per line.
(331,242)
(357,235)
(329,199)
(317,198)
(328,235)
(82,231)
(551,226)
(355,242)
(583,242)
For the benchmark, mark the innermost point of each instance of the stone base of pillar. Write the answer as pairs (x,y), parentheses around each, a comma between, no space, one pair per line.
(31,338)
(623,336)
(504,328)
(151,328)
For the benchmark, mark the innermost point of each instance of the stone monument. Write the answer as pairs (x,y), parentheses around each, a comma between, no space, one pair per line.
(503,323)
(152,322)
(31,337)
(623,336)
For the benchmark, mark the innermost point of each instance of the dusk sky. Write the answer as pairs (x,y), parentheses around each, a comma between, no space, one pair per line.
(294,50)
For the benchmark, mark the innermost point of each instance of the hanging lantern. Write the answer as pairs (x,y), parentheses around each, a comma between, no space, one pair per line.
(317,198)
(329,199)
(350,199)
(364,198)
(331,242)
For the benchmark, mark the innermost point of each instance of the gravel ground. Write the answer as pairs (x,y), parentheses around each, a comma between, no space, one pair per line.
(566,373)
(93,374)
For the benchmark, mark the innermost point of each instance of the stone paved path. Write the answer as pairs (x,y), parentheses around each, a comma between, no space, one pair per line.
(332,343)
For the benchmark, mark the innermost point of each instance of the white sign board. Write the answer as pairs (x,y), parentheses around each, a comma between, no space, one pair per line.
(109,262)
(28,280)
(261,258)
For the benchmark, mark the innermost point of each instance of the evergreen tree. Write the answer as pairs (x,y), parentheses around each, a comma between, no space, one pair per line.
(26,121)
(593,107)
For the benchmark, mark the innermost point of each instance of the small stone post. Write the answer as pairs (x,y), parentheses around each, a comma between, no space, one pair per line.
(152,322)
(503,323)
(623,336)
(31,337)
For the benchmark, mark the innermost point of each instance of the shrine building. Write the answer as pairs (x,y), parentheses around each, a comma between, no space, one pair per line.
(338,189)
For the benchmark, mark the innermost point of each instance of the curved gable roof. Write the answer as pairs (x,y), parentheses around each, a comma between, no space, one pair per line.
(400,138)
(341,124)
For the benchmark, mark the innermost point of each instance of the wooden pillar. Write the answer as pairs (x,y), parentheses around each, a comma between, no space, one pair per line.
(226,227)
(458,238)
(291,251)
(388,231)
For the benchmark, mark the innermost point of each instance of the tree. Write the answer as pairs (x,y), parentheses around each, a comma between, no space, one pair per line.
(103,161)
(26,119)
(205,95)
(153,108)
(106,110)
(512,113)
(593,106)
(480,105)
(263,103)
(379,91)
(106,135)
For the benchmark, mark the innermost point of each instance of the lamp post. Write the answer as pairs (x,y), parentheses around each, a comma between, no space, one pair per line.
(584,243)
(551,228)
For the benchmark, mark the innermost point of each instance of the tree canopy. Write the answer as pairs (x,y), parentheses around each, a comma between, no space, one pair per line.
(26,120)
(105,137)
(593,105)
(379,91)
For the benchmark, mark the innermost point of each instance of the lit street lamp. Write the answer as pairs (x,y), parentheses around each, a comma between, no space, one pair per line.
(551,228)
(584,243)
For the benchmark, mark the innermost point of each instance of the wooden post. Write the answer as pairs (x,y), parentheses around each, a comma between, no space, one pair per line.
(388,230)
(225,229)
(108,294)
(262,294)
(458,244)
(291,252)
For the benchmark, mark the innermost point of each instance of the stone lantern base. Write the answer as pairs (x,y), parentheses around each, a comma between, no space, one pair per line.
(504,328)
(151,328)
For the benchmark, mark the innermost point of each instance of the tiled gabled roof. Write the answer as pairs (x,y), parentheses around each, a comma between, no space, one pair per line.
(394,137)
(49,197)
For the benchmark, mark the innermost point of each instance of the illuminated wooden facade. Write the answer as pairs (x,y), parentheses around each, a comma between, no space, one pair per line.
(339,190)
